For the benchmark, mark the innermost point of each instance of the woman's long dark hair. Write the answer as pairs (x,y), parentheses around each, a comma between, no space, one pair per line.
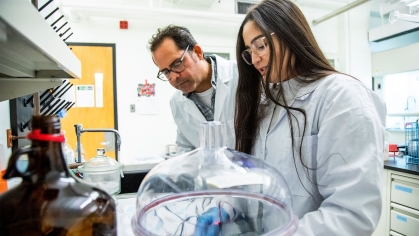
(290,27)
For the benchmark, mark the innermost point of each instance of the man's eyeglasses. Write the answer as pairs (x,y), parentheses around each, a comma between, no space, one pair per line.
(258,46)
(177,67)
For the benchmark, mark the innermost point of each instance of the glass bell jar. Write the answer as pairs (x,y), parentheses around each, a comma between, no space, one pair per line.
(214,190)
(103,172)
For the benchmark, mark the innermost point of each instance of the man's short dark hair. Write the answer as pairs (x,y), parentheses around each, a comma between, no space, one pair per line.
(180,35)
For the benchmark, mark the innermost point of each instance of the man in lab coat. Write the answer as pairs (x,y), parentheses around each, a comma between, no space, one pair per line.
(206,85)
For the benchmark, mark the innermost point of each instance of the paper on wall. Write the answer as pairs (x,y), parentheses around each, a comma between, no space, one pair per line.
(147,105)
(85,96)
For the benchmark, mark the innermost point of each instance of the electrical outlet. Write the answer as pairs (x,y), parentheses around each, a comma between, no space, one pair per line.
(132,107)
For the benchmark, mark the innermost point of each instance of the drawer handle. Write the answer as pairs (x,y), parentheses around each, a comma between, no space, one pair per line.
(404,189)
(401,218)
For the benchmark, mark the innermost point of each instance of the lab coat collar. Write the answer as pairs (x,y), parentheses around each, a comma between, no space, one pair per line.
(225,74)
(304,90)
(220,97)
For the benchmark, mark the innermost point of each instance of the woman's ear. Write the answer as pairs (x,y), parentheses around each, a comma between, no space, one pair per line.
(198,51)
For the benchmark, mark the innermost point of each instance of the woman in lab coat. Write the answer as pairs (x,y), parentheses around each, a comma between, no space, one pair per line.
(322,129)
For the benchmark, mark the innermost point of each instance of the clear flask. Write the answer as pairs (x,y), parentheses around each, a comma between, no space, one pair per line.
(82,153)
(49,200)
(177,193)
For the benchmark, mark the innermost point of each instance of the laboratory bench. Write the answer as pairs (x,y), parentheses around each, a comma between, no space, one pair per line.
(399,164)
(126,200)
(132,179)
(400,195)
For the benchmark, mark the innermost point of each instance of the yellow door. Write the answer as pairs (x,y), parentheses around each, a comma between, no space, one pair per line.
(94,59)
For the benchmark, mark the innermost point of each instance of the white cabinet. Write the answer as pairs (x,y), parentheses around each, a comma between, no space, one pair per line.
(400,213)
(404,206)
(404,220)
(405,191)
(32,56)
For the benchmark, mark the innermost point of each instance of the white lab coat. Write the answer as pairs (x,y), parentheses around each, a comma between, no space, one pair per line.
(188,117)
(344,142)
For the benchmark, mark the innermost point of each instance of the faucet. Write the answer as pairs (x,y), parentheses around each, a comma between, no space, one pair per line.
(407,103)
(80,130)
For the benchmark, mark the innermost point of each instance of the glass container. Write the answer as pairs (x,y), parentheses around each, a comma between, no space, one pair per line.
(103,172)
(49,200)
(214,190)
(412,139)
(68,151)
(82,153)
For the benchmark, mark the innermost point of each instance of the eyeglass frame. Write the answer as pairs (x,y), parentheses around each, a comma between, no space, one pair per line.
(250,51)
(161,72)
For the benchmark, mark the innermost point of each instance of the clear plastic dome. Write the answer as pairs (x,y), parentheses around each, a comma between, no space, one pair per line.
(190,193)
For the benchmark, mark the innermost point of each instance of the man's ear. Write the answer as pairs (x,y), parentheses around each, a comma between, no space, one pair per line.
(198,51)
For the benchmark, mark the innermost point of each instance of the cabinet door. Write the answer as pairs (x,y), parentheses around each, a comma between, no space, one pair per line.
(405,191)
(404,220)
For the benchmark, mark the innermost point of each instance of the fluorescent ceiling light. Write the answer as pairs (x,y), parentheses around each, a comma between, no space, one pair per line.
(414,3)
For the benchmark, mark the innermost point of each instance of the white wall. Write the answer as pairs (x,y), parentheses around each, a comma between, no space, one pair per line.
(345,37)
(397,60)
(4,124)
(146,135)
(359,50)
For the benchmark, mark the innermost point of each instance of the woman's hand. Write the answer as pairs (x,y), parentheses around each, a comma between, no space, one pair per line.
(208,224)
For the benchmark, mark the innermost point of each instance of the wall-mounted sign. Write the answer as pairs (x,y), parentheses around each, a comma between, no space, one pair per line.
(85,96)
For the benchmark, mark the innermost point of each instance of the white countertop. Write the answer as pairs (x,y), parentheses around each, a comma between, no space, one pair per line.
(125,209)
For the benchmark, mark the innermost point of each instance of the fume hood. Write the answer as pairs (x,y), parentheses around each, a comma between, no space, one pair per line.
(399,17)
(32,56)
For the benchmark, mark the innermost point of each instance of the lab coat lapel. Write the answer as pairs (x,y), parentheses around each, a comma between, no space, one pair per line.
(220,98)
(280,116)
(266,122)
(302,95)
(224,74)
(190,108)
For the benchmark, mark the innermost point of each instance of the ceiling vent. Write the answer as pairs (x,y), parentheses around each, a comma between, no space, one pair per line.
(243,5)
(399,18)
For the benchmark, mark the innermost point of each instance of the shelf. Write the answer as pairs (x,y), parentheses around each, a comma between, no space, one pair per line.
(395,130)
(404,114)
(31,49)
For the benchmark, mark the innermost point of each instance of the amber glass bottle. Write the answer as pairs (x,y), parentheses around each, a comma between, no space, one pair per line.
(49,200)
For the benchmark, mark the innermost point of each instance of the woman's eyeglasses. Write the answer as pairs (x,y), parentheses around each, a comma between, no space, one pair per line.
(258,46)
(177,67)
